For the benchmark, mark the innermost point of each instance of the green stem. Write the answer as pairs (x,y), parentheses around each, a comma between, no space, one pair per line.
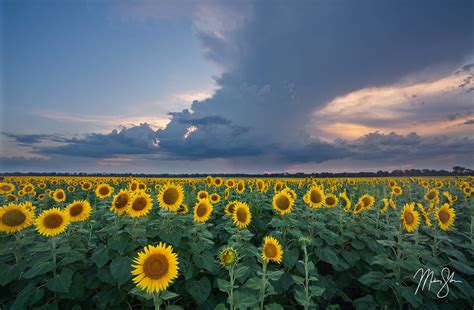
(156,300)
(231,292)
(53,252)
(306,275)
(263,285)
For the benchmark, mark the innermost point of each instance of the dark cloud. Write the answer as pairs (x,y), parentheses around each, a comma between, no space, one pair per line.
(469,122)
(287,59)
(135,140)
(27,140)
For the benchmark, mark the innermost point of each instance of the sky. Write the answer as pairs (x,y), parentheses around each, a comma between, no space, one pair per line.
(151,86)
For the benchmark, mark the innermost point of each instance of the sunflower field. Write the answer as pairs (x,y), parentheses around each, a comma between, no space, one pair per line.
(236,243)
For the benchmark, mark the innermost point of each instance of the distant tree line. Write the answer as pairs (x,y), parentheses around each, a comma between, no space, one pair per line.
(456,171)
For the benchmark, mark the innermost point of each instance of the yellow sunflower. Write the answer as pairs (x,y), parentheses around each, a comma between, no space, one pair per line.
(347,201)
(59,195)
(155,268)
(240,188)
(385,205)
(52,222)
(445,216)
(410,217)
(229,183)
(171,196)
(122,202)
(218,182)
(6,188)
(330,201)
(228,257)
(79,210)
(140,205)
(242,215)
(103,190)
(449,198)
(14,218)
(315,197)
(432,195)
(272,250)
(278,186)
(202,195)
(396,191)
(283,203)
(86,186)
(367,200)
(214,198)
(202,210)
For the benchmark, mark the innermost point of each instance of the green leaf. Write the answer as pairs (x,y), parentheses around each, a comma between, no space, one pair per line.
(386,243)
(37,269)
(121,270)
(316,291)
(21,300)
(61,283)
(462,267)
(199,290)
(223,285)
(358,244)
(300,296)
(138,292)
(100,256)
(298,280)
(290,258)
(274,275)
(173,307)
(241,271)
(166,295)
(366,302)
(328,255)
(118,243)
(71,257)
(254,283)
(372,279)
(274,306)
(9,273)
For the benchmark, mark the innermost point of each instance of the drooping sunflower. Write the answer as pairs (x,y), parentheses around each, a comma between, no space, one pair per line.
(202,195)
(347,201)
(330,201)
(315,197)
(59,195)
(410,217)
(6,188)
(278,186)
(103,190)
(359,207)
(140,205)
(122,202)
(228,257)
(272,250)
(240,188)
(14,218)
(449,198)
(155,268)
(214,198)
(291,193)
(230,207)
(425,214)
(171,196)
(242,215)
(52,222)
(385,205)
(283,203)
(467,191)
(79,210)
(445,216)
(227,193)
(182,209)
(202,210)
(367,200)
